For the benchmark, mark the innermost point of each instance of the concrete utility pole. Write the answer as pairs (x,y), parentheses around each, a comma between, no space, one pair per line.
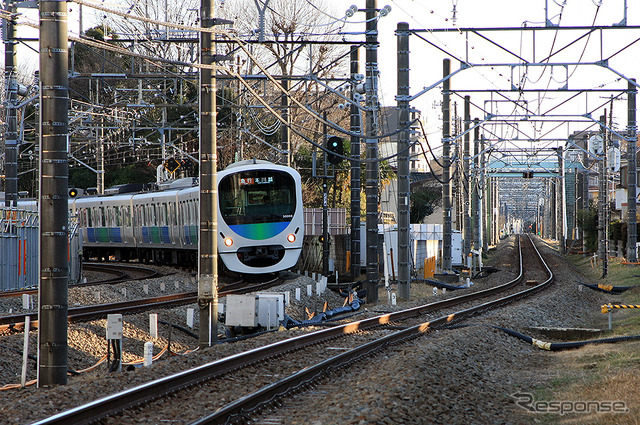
(11,112)
(54,174)
(285,157)
(562,230)
(325,201)
(465,183)
(355,127)
(585,197)
(446,167)
(485,199)
(602,199)
(553,208)
(632,165)
(404,187)
(208,240)
(476,182)
(373,167)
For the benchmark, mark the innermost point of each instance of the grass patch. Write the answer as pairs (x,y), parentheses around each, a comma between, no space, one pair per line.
(603,372)
(618,274)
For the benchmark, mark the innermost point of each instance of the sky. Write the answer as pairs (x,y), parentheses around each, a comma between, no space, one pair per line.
(426,60)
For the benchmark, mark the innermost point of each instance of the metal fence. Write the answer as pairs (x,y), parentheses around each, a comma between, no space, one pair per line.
(19,239)
(313,221)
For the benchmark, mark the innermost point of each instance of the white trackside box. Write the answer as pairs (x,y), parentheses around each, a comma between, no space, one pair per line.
(114,326)
(268,312)
(241,310)
(280,300)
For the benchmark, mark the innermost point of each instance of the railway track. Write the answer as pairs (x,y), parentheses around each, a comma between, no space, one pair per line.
(365,337)
(79,314)
(122,272)
(119,273)
(82,314)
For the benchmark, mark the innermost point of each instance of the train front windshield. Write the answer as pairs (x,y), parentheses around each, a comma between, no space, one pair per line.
(264,196)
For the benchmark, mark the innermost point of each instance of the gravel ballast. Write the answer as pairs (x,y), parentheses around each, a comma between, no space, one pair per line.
(464,375)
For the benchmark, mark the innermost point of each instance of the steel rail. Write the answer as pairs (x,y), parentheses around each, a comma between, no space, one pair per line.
(85,313)
(118,270)
(111,404)
(123,268)
(79,314)
(238,409)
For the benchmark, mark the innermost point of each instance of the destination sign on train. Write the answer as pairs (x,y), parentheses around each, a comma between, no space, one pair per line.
(246,181)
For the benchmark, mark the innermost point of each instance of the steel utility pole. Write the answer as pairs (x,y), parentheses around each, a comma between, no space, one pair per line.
(355,168)
(11,114)
(373,167)
(54,174)
(208,240)
(404,189)
(632,137)
(446,167)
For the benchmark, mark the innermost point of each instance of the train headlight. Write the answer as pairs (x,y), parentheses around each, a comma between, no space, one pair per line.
(228,241)
(291,237)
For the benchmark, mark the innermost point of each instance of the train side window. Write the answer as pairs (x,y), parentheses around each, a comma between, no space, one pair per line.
(163,214)
(89,220)
(172,214)
(103,217)
(127,216)
(118,214)
(154,215)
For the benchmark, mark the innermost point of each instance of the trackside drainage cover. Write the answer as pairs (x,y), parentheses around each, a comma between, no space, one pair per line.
(567,333)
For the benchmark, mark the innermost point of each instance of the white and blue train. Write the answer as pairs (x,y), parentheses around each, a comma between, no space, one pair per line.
(260,220)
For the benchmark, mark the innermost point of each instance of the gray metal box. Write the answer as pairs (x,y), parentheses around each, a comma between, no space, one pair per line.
(114,326)
(241,310)
(268,312)
(280,299)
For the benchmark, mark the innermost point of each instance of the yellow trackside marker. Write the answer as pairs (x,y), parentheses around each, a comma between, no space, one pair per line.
(605,308)
(541,344)
(450,317)
(605,287)
(424,327)
(384,319)
(325,307)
